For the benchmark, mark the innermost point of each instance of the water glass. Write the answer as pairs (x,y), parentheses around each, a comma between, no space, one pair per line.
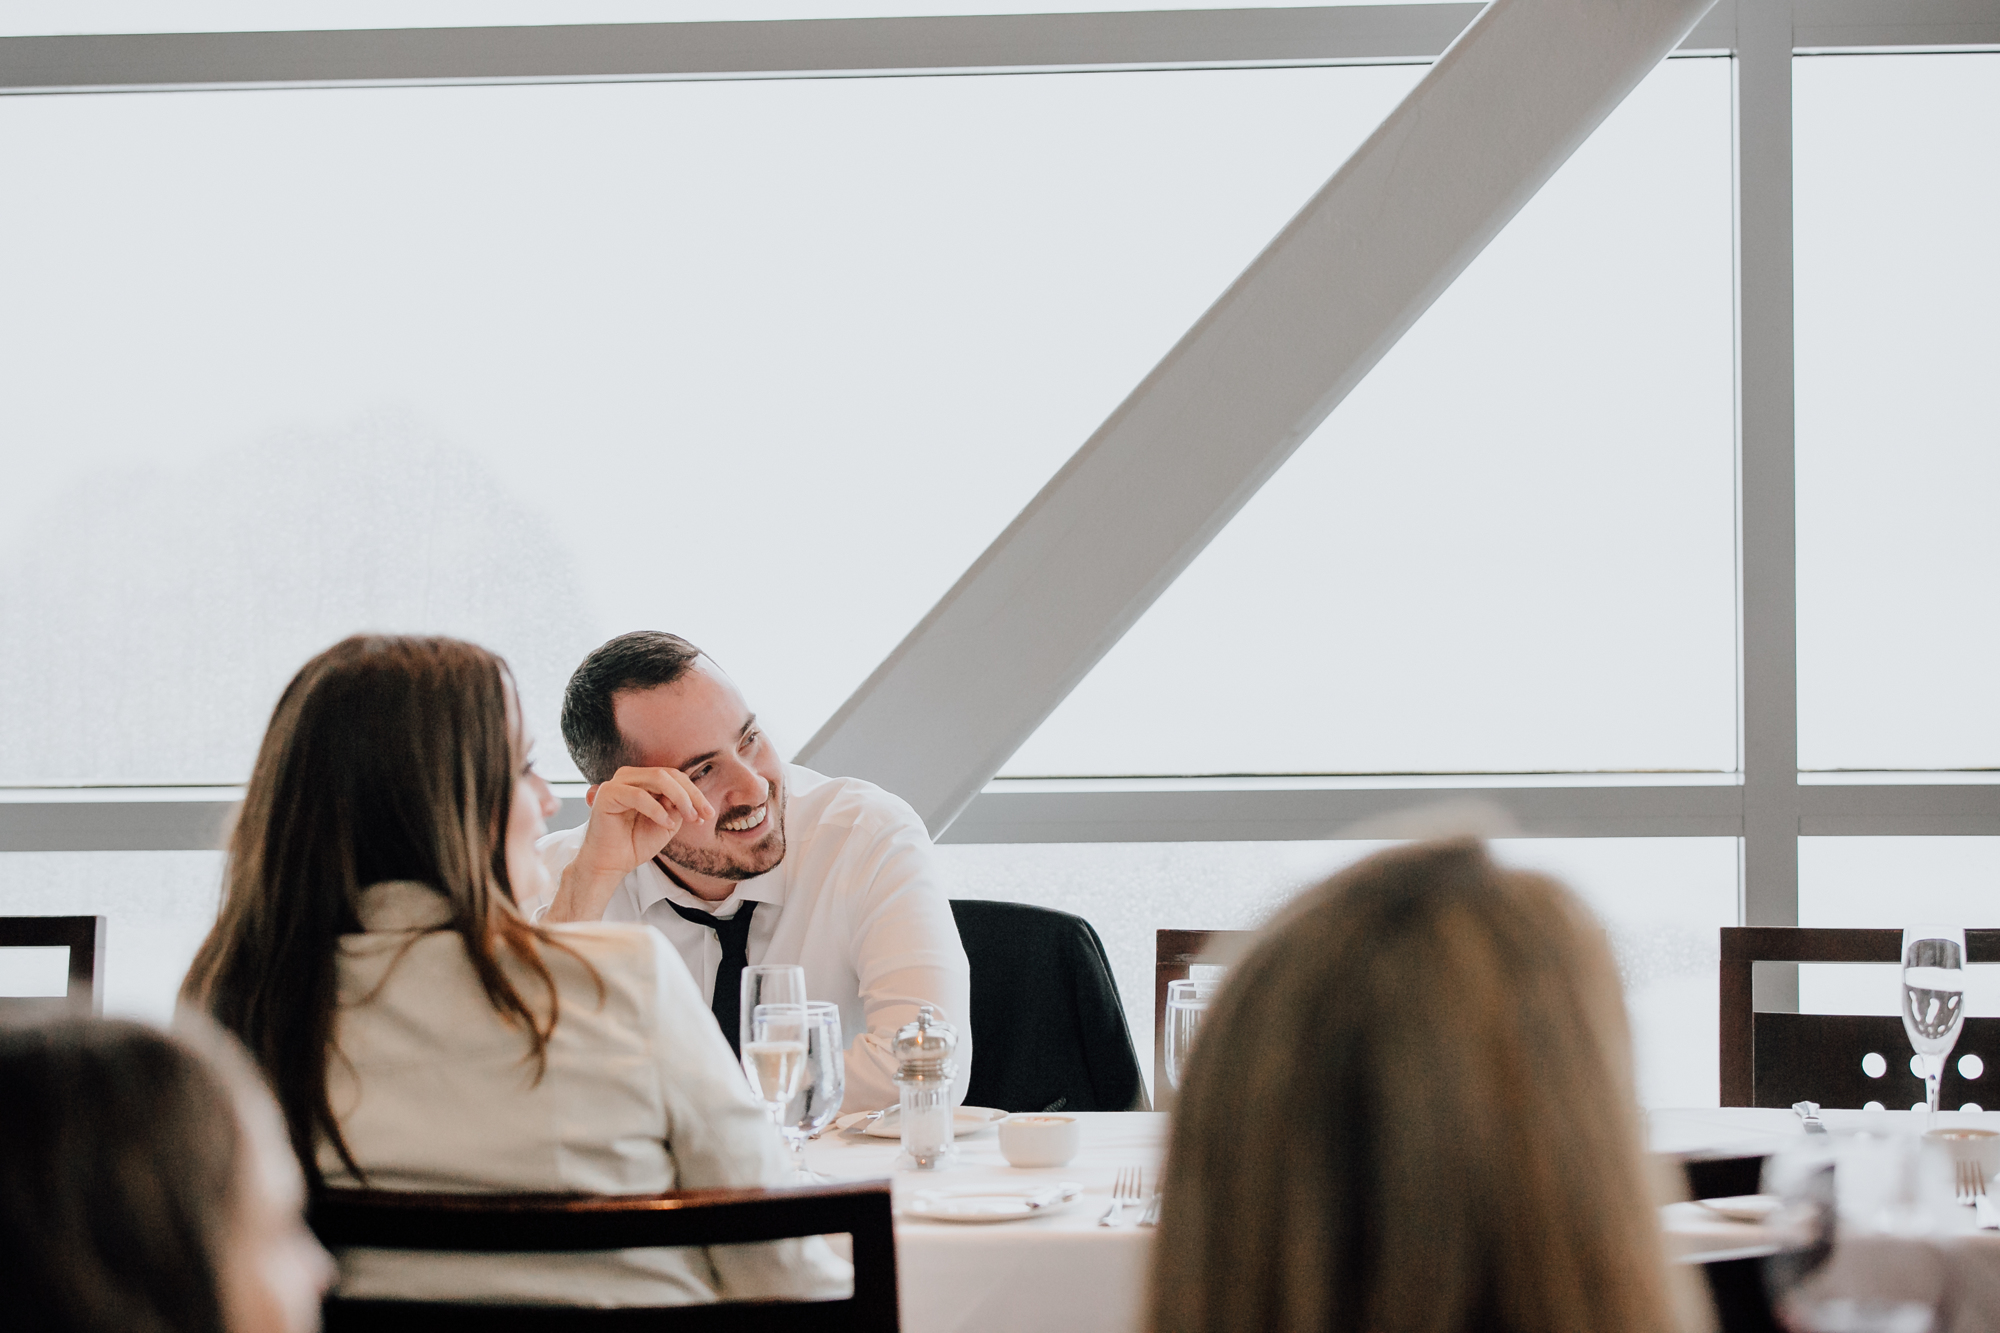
(1187,1003)
(774,1054)
(768,983)
(1933,1005)
(813,1107)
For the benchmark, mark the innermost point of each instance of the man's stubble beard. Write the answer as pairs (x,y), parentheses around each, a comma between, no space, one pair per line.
(717,866)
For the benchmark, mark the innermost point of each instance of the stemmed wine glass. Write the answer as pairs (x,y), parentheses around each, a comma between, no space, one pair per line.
(769,983)
(774,1055)
(1187,1004)
(817,1101)
(771,1017)
(1933,998)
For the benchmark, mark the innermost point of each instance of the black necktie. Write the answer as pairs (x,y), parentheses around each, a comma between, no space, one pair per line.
(734,936)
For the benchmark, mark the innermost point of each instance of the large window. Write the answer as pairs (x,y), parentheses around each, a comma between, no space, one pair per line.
(576,330)
(766,363)
(158,907)
(1661,899)
(1899,428)
(1512,549)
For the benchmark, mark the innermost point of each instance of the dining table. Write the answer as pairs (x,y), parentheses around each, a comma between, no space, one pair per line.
(1060,1268)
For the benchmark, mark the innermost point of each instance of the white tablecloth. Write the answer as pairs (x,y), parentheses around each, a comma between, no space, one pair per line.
(1057,1272)
(1954,1271)
(1066,1272)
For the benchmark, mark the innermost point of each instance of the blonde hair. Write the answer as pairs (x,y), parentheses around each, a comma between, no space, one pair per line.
(1411,1110)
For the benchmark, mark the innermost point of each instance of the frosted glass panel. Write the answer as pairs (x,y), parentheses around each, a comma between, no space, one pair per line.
(765,363)
(1661,899)
(158,907)
(1512,548)
(1892,883)
(1898,202)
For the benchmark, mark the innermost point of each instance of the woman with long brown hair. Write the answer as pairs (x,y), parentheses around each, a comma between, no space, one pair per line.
(420,1033)
(1411,1110)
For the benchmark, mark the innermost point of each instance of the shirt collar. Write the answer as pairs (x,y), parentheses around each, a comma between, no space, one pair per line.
(651,885)
(402,904)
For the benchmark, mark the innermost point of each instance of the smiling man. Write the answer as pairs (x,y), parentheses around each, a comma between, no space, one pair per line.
(700,830)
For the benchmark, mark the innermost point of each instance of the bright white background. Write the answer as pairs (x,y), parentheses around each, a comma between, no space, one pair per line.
(767,364)
(1898,205)
(1512,548)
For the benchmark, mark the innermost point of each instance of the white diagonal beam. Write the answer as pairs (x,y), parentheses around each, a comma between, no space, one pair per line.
(1494,118)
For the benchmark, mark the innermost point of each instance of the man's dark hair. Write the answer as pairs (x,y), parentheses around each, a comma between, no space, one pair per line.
(642,660)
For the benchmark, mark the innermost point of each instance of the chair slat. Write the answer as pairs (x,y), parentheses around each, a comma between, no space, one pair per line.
(541,1223)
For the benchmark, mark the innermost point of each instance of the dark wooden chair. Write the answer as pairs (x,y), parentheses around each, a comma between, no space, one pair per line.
(1175,952)
(85,937)
(1779,1059)
(542,1223)
(1739,1283)
(1048,1028)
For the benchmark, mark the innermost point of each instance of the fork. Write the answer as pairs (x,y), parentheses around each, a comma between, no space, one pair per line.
(1124,1190)
(1970,1182)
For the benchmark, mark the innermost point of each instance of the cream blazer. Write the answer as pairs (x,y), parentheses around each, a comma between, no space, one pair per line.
(434,1090)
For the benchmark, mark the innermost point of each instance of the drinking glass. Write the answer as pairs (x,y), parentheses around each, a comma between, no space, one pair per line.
(768,983)
(1933,998)
(818,1099)
(774,1055)
(1187,1002)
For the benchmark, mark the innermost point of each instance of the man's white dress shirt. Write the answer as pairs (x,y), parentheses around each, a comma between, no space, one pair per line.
(858,902)
(433,1090)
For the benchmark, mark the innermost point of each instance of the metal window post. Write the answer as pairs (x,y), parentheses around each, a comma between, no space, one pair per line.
(1766,516)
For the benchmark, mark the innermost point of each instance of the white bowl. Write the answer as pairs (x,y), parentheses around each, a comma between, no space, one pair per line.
(1039,1139)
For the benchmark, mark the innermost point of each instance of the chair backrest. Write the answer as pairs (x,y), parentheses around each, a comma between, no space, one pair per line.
(1777,1059)
(1048,1028)
(542,1223)
(84,935)
(1739,1287)
(1175,952)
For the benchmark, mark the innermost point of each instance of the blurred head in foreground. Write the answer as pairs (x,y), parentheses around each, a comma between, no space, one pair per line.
(1411,1109)
(146,1188)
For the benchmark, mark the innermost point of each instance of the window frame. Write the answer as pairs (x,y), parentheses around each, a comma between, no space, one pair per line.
(1768,804)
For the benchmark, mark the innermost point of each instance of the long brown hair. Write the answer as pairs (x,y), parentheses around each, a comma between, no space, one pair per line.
(1411,1110)
(387,758)
(120,1161)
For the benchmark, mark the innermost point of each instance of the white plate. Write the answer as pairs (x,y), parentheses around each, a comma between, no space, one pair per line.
(987,1206)
(1744,1207)
(965,1121)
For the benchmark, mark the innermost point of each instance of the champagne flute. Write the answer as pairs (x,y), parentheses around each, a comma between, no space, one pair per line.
(818,1099)
(1187,1004)
(766,983)
(774,1055)
(1933,999)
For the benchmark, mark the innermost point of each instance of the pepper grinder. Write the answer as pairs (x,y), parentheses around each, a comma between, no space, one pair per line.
(924,1071)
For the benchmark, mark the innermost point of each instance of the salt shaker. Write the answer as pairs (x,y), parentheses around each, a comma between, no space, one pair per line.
(924,1071)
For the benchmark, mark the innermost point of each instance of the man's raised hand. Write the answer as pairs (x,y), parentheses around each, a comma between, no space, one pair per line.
(633,815)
